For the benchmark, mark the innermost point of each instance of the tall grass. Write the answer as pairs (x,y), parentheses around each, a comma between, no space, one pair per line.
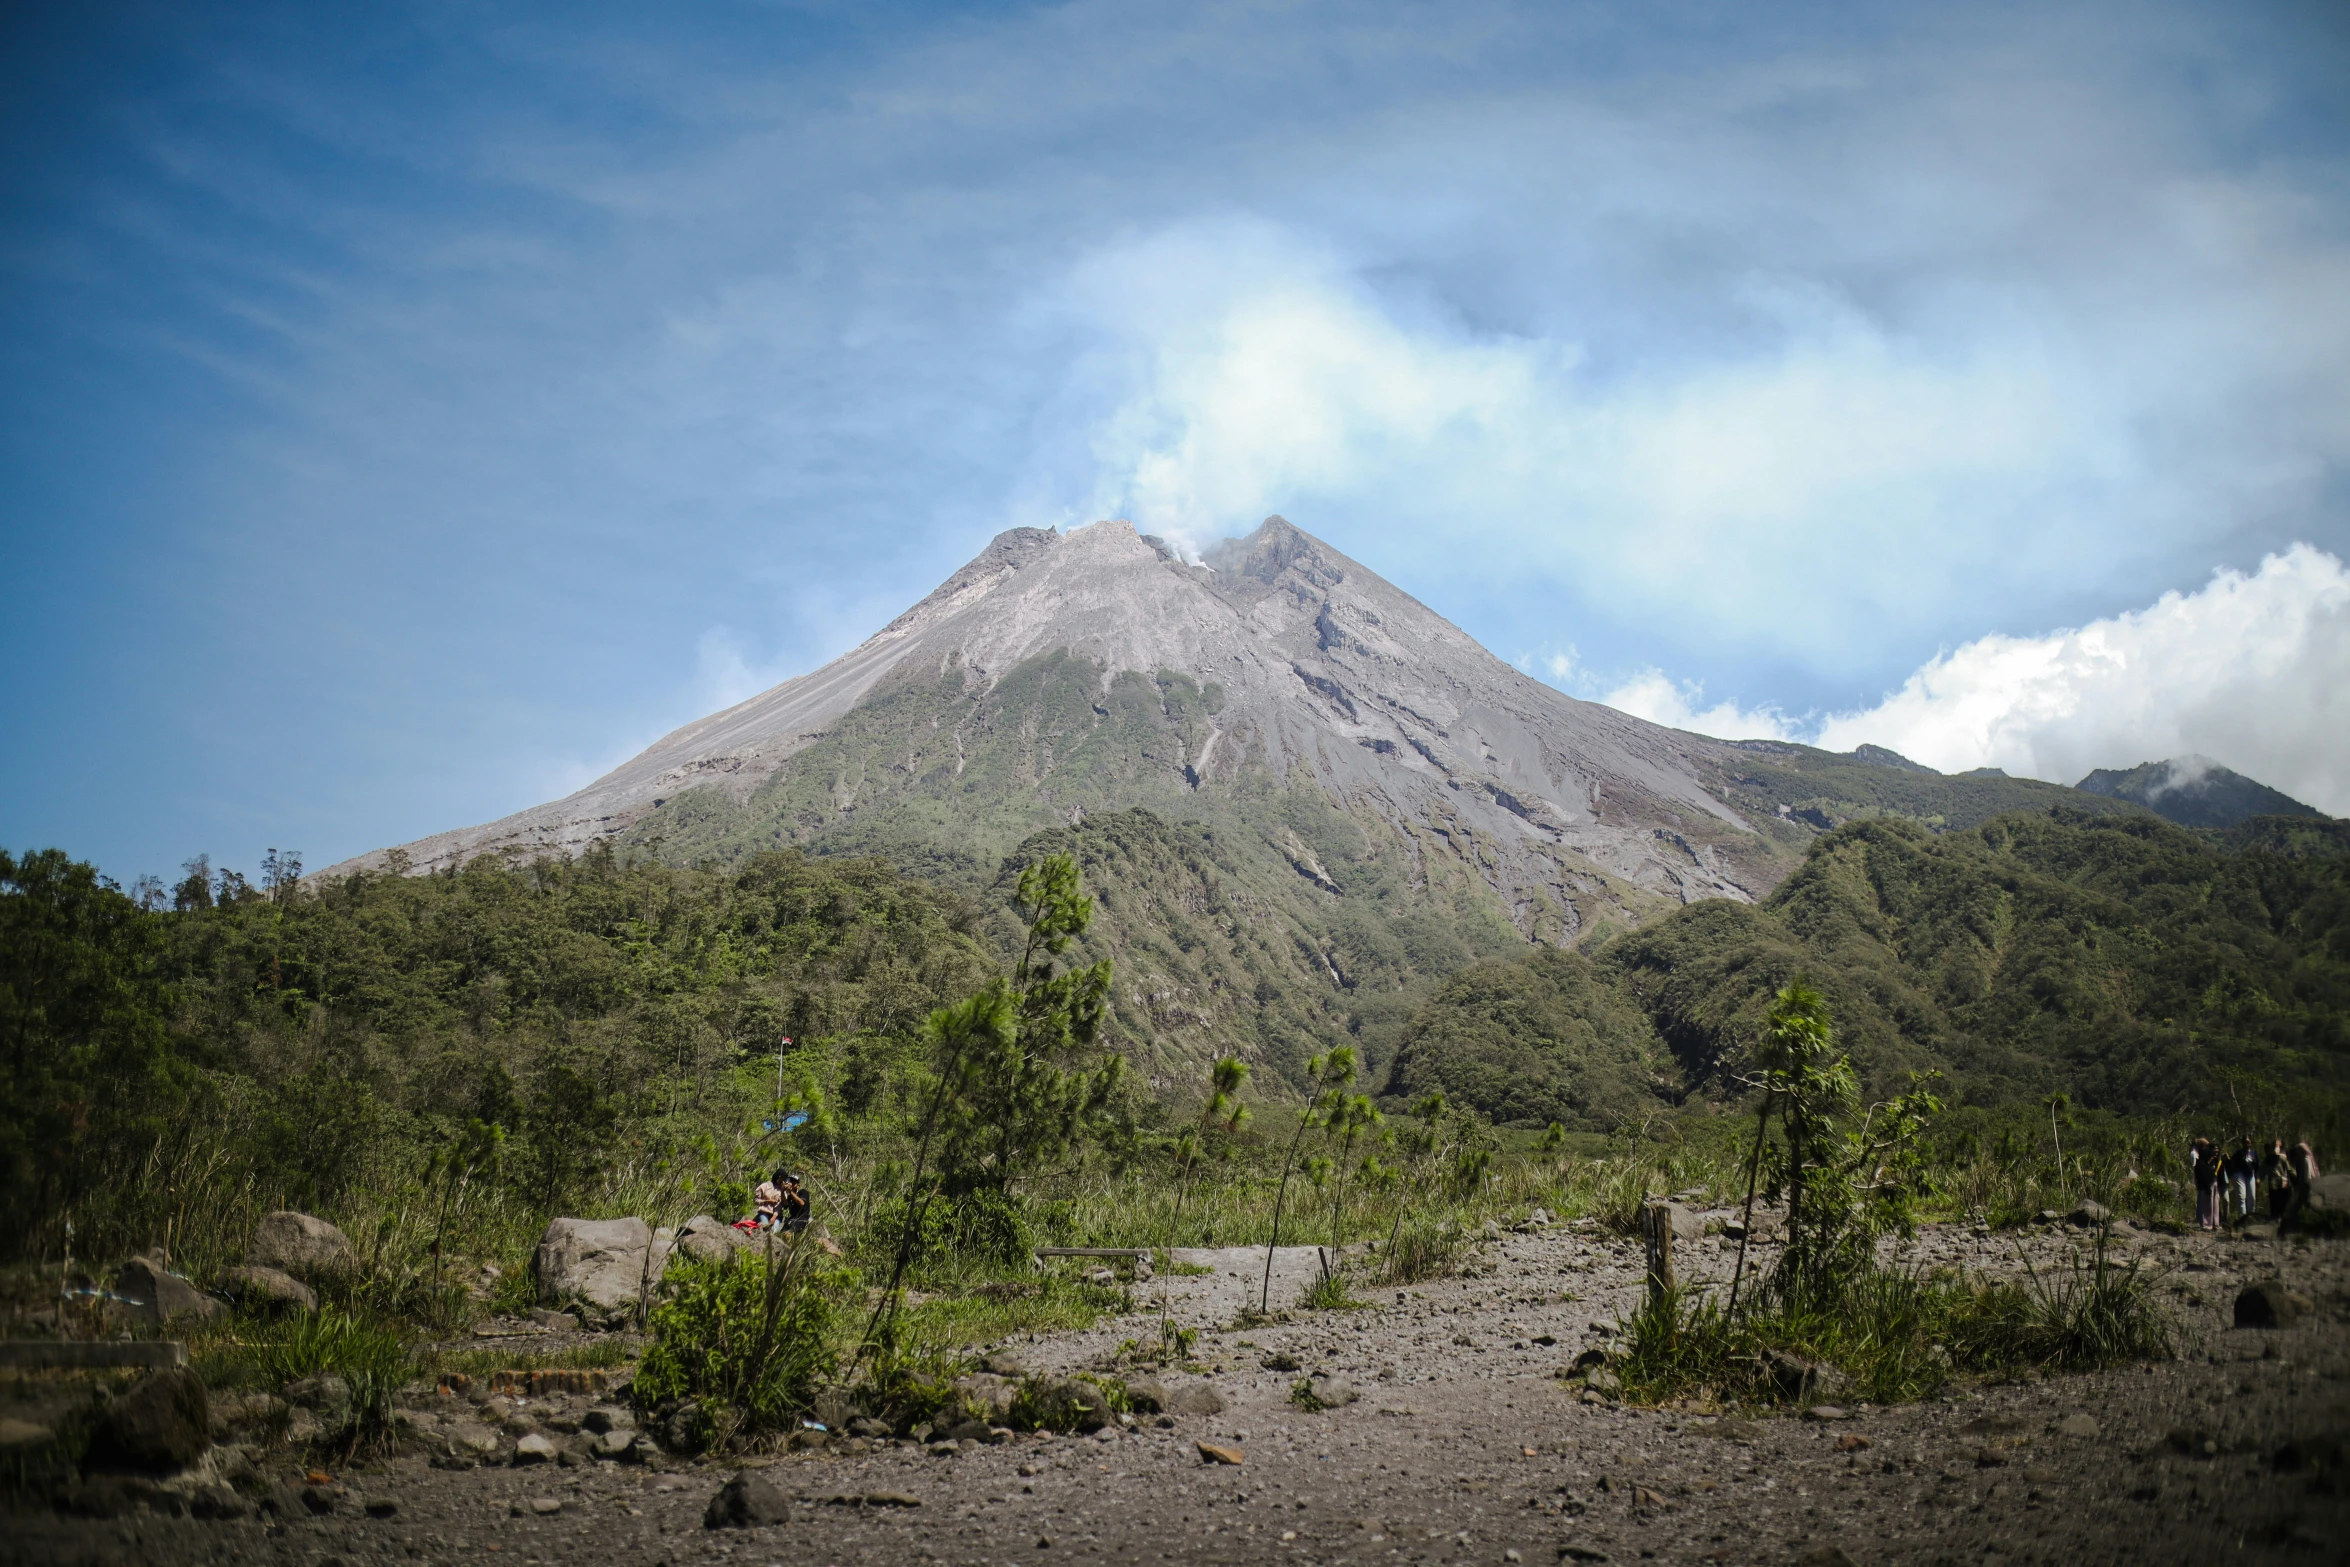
(1890,1336)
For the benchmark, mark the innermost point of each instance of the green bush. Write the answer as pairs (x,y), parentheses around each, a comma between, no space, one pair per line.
(371,1358)
(752,1341)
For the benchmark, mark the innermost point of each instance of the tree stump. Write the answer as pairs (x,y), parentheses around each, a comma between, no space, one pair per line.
(1656,1228)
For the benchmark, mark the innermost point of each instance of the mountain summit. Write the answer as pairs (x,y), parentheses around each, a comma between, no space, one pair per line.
(2194,791)
(1095,670)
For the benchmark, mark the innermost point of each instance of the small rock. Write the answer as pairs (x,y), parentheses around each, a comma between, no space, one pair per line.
(553,1321)
(2270,1305)
(323,1394)
(320,1500)
(154,1294)
(2077,1425)
(546,1506)
(1331,1393)
(604,1418)
(300,1244)
(1851,1444)
(869,1428)
(1003,1365)
(536,1448)
(257,1288)
(612,1446)
(1219,1453)
(2089,1214)
(1278,1360)
(749,1500)
(2194,1443)
(217,1504)
(1824,1556)
(1826,1412)
(1196,1398)
(382,1507)
(1145,1395)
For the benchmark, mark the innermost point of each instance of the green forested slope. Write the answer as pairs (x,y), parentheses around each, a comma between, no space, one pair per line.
(309,1039)
(2133,964)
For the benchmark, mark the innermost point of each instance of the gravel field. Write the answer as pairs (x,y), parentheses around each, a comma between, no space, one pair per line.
(1464,1445)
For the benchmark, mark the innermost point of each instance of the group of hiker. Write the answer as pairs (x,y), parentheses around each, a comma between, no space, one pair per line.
(2228,1185)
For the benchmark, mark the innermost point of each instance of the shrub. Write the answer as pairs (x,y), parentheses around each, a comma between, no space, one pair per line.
(372,1360)
(754,1340)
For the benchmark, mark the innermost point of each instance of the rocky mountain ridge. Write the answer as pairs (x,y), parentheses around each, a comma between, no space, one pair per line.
(1298,668)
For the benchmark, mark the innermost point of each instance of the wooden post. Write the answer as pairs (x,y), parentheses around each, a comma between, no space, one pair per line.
(1656,1228)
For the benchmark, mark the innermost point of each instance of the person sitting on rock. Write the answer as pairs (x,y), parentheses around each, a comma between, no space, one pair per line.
(765,1200)
(792,1206)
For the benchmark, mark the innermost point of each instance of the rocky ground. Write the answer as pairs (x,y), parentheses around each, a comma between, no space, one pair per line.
(1463,1445)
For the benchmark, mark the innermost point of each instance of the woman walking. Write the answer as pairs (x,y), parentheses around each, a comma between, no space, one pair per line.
(2206,1160)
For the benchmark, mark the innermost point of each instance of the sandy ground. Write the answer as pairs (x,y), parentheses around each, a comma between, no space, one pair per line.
(1464,1446)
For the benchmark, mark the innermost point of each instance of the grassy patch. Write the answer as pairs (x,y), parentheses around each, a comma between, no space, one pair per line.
(1891,1337)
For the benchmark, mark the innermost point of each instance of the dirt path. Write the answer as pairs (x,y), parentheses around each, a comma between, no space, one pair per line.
(1464,1446)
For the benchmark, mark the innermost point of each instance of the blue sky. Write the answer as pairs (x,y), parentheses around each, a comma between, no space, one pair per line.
(413,410)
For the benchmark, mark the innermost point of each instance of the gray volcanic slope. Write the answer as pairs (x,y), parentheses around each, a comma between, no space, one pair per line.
(1279,666)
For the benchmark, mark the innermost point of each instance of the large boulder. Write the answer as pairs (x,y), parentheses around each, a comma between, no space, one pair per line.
(300,1244)
(604,1265)
(705,1239)
(266,1289)
(2330,1193)
(162,1423)
(152,1293)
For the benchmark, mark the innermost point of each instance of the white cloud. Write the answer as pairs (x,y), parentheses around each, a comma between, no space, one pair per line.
(1654,696)
(1992,444)
(2252,670)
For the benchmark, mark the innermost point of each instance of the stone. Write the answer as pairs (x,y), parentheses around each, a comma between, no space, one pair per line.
(1797,1378)
(552,1321)
(1852,1443)
(1331,1393)
(546,1506)
(162,1423)
(2089,1214)
(1824,1556)
(1194,1398)
(300,1244)
(605,1417)
(1066,1404)
(22,1436)
(381,1507)
(1145,1395)
(536,1448)
(217,1504)
(324,1395)
(242,1412)
(617,1447)
(1004,1365)
(1826,1412)
(706,1239)
(1219,1453)
(2077,1425)
(747,1501)
(2269,1304)
(991,1397)
(2330,1193)
(152,1293)
(682,1431)
(601,1264)
(257,1288)
(1278,1360)
(869,1428)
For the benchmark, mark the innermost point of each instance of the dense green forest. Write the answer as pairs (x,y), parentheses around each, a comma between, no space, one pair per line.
(2134,965)
(287,1043)
(561,1033)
